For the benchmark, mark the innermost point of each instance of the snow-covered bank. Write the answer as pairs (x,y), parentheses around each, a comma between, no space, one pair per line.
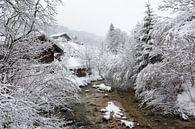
(84,81)
(112,111)
(102,87)
(186,103)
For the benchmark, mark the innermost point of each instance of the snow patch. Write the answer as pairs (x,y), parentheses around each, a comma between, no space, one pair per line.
(102,87)
(128,124)
(113,111)
(107,116)
(74,63)
(186,103)
(84,81)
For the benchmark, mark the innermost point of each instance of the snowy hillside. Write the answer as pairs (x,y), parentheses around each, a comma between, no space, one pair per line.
(86,37)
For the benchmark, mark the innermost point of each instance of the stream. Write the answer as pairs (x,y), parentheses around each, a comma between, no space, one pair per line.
(87,113)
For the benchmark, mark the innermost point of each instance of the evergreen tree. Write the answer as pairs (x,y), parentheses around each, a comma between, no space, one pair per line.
(110,39)
(111,27)
(116,40)
(145,42)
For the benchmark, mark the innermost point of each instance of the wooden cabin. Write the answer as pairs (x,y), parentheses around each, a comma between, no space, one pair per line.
(49,55)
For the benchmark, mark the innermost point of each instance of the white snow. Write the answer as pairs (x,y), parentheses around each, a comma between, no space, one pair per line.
(128,124)
(86,90)
(2,39)
(124,117)
(113,111)
(103,110)
(76,46)
(61,45)
(56,35)
(186,103)
(107,116)
(80,81)
(102,87)
(113,108)
(73,59)
(74,63)
(184,116)
(84,81)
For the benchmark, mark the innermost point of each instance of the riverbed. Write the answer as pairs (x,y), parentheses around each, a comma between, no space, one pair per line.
(87,113)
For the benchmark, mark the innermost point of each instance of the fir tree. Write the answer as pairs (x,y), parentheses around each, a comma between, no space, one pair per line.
(116,40)
(145,41)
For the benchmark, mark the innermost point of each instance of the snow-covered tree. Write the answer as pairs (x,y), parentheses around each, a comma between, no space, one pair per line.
(21,21)
(159,58)
(145,39)
(116,40)
(159,85)
(28,87)
(157,89)
(178,5)
(179,39)
(118,69)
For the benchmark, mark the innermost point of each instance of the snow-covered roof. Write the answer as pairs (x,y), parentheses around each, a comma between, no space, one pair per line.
(58,34)
(65,35)
(69,46)
(60,45)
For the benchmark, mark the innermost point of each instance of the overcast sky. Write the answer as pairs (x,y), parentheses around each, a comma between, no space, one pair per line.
(96,15)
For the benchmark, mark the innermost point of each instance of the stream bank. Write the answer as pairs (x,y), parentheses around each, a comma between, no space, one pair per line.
(87,114)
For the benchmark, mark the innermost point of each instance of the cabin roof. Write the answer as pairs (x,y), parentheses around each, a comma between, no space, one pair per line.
(65,35)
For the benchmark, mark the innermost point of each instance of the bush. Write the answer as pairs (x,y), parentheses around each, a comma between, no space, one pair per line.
(36,89)
(157,88)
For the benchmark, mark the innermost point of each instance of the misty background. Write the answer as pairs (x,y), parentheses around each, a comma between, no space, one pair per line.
(95,16)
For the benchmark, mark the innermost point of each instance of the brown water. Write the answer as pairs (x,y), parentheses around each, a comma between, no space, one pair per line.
(87,114)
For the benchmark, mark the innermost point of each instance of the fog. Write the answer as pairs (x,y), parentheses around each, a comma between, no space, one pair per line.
(96,15)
